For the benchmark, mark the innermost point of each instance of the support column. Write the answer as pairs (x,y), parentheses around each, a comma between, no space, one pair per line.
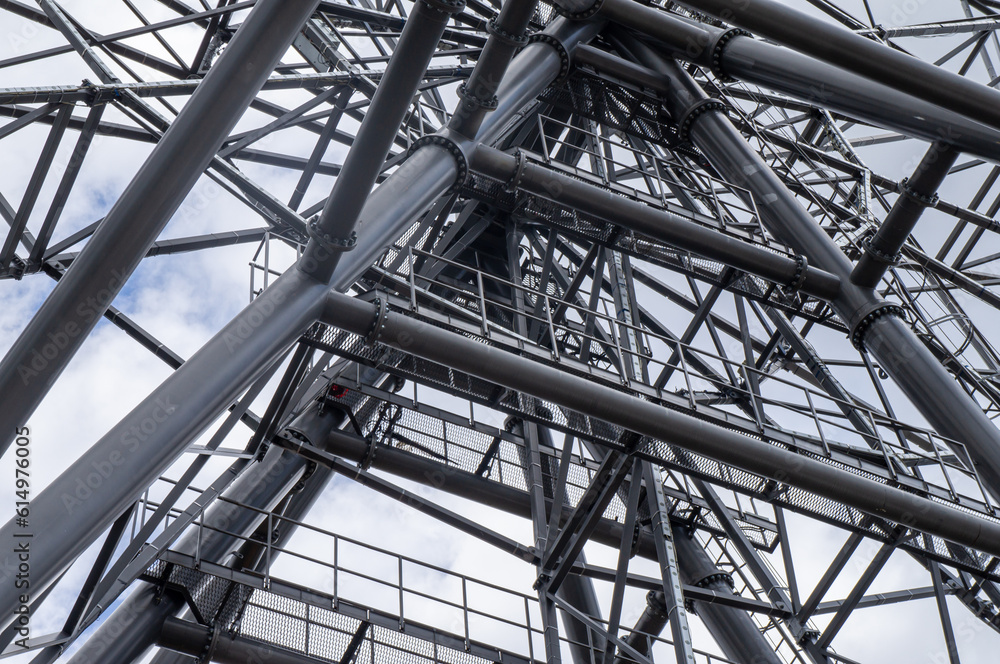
(81,297)
(874,323)
(199,390)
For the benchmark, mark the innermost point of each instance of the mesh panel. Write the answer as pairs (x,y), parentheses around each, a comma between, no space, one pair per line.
(582,425)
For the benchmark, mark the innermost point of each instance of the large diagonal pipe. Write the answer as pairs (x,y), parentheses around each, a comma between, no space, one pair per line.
(187,402)
(865,57)
(59,328)
(874,323)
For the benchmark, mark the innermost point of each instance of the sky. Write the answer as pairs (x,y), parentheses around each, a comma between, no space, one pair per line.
(183,300)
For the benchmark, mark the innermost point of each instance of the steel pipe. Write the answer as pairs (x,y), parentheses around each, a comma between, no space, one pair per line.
(871,320)
(865,57)
(661,225)
(180,408)
(81,297)
(649,419)
(331,235)
(881,251)
(196,640)
(788,72)
(508,32)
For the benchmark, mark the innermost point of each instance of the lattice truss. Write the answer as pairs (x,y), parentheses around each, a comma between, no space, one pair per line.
(680,315)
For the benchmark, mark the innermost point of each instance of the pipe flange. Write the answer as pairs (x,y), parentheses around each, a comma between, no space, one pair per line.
(369,457)
(488,104)
(861,329)
(445,6)
(923,199)
(692,114)
(328,242)
(799,280)
(494,28)
(564,59)
(378,326)
(452,147)
(879,256)
(209,650)
(706,581)
(655,606)
(580,15)
(514,183)
(717,51)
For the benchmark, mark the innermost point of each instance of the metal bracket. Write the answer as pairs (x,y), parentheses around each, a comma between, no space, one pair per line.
(451,146)
(696,111)
(861,329)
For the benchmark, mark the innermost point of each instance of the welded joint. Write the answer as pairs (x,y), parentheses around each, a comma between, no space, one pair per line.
(327,241)
(718,50)
(580,15)
(494,28)
(692,114)
(861,328)
(565,62)
(461,161)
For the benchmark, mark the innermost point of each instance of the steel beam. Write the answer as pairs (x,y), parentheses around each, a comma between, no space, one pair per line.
(576,393)
(865,57)
(177,411)
(196,640)
(662,225)
(873,322)
(71,311)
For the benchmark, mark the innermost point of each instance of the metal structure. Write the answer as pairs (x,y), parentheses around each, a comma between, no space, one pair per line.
(621,270)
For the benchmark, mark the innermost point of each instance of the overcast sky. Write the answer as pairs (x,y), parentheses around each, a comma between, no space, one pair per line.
(183,300)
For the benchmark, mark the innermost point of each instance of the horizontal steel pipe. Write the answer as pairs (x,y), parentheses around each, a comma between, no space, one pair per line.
(577,393)
(659,224)
(791,73)
(866,57)
(917,372)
